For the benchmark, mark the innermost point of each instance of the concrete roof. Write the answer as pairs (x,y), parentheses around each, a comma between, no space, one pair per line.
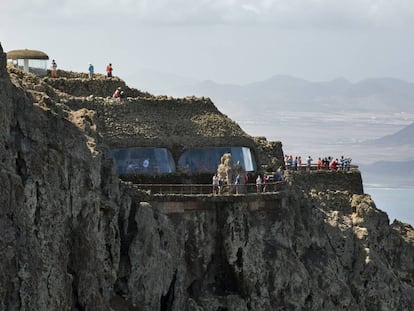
(26,54)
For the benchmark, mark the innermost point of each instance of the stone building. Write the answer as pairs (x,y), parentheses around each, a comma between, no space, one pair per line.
(29,60)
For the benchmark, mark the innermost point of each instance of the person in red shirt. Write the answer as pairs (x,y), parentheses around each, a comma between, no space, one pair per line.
(334,164)
(109,71)
(319,163)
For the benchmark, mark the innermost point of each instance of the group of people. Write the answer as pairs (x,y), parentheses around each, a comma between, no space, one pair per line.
(119,93)
(218,183)
(296,163)
(333,164)
(262,182)
(91,70)
(329,163)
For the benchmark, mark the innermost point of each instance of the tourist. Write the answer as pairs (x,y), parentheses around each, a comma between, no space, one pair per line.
(221,185)
(119,93)
(295,163)
(246,178)
(109,71)
(300,162)
(237,183)
(325,163)
(264,182)
(215,184)
(289,162)
(259,184)
(279,174)
(334,164)
(347,164)
(342,163)
(308,163)
(91,71)
(319,163)
(54,69)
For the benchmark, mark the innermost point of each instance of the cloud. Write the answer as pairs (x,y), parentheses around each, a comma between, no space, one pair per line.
(283,13)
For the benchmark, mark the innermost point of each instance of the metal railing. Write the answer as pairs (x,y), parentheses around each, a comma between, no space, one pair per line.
(196,189)
(316,167)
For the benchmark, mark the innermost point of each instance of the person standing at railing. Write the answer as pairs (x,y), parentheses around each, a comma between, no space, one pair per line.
(308,163)
(237,183)
(295,163)
(319,163)
(215,184)
(221,185)
(342,163)
(264,181)
(334,164)
(289,162)
(259,184)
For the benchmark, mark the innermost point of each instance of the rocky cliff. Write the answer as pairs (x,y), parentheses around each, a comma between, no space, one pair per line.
(73,237)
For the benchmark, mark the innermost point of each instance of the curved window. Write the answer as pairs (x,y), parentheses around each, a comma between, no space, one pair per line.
(208,159)
(143,160)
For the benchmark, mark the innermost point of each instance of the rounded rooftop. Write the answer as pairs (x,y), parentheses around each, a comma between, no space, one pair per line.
(26,54)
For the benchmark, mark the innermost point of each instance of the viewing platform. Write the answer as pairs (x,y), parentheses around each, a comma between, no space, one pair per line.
(180,198)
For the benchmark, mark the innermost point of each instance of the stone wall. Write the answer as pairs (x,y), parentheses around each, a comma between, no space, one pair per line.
(328,180)
(79,85)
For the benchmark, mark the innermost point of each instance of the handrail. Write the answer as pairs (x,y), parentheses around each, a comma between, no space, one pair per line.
(315,166)
(195,189)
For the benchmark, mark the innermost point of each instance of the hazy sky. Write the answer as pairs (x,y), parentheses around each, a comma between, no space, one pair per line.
(233,41)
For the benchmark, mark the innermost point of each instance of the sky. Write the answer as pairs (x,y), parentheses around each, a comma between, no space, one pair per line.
(227,41)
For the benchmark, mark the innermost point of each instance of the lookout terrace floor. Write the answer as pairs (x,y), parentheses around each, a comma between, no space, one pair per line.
(180,203)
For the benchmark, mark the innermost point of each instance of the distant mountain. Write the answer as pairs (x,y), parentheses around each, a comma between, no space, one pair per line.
(402,137)
(282,92)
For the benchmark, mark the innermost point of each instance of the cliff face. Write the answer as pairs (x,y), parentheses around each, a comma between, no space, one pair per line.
(320,250)
(74,238)
(59,207)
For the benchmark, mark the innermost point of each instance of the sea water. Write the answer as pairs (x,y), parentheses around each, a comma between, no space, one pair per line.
(398,203)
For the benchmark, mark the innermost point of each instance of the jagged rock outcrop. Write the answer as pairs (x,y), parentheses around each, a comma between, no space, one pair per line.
(320,250)
(73,237)
(59,208)
(143,119)
(3,60)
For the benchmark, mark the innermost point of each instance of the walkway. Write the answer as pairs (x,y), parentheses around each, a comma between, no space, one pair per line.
(180,198)
(207,189)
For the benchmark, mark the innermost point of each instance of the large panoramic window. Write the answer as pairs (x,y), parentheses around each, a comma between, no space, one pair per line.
(143,160)
(208,159)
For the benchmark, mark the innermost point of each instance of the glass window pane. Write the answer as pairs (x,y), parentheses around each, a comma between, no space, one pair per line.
(143,160)
(208,159)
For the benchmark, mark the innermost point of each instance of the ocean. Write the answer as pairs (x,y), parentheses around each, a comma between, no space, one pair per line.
(398,203)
